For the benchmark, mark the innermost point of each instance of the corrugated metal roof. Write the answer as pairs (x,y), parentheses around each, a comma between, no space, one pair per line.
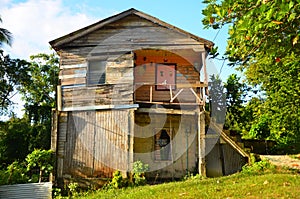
(24,191)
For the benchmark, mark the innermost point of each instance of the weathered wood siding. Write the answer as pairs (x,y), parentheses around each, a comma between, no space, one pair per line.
(183,136)
(96,143)
(115,43)
(130,33)
(101,95)
(118,89)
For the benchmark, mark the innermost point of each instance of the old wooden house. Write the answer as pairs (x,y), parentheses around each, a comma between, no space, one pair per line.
(132,87)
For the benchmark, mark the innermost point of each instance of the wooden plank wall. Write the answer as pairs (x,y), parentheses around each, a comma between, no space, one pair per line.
(233,161)
(96,144)
(118,89)
(131,33)
(101,95)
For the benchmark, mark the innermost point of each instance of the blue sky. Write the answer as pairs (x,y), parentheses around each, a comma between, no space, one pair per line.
(36,22)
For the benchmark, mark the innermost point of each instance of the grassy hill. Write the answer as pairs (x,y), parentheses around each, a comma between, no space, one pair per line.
(266,185)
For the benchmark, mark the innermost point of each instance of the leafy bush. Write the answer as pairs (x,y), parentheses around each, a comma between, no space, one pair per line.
(73,188)
(139,169)
(258,167)
(261,129)
(14,174)
(41,159)
(117,181)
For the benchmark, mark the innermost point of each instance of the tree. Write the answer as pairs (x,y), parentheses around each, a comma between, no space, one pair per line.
(5,36)
(217,99)
(39,96)
(14,140)
(264,44)
(236,93)
(13,73)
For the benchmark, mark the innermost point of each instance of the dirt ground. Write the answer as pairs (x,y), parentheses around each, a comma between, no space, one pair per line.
(283,161)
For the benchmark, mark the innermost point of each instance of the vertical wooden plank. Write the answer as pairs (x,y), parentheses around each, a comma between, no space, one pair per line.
(59,98)
(53,147)
(151,93)
(201,143)
(204,66)
(62,131)
(54,130)
(130,158)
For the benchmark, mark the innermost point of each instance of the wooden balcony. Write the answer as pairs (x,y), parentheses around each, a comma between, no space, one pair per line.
(170,94)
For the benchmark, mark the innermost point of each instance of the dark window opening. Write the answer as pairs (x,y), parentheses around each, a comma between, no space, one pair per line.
(96,72)
(162,146)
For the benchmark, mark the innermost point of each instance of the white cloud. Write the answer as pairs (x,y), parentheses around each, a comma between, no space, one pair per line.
(34,23)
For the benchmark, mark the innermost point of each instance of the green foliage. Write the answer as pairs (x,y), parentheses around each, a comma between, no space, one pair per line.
(138,170)
(5,36)
(261,129)
(236,93)
(41,159)
(264,44)
(73,187)
(15,173)
(14,140)
(117,180)
(39,96)
(13,73)
(258,167)
(217,99)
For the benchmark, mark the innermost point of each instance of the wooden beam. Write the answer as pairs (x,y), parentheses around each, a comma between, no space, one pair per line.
(166,111)
(178,93)
(196,85)
(197,97)
(100,107)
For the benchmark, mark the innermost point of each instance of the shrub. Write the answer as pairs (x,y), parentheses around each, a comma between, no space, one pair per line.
(73,188)
(117,181)
(139,169)
(258,167)
(14,174)
(41,159)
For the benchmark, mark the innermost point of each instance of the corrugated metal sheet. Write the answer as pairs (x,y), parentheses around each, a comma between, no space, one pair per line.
(24,191)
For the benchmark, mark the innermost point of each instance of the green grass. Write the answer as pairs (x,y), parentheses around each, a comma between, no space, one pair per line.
(268,185)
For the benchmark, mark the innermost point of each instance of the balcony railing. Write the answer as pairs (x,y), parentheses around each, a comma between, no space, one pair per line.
(189,94)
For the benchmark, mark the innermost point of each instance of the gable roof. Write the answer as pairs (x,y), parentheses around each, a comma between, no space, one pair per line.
(56,43)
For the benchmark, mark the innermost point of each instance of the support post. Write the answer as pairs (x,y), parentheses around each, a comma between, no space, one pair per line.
(204,67)
(151,93)
(54,126)
(59,98)
(130,157)
(201,143)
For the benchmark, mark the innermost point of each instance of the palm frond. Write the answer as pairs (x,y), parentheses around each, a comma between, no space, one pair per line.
(5,37)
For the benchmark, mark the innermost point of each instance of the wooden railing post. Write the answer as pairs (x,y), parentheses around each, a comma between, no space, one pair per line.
(151,93)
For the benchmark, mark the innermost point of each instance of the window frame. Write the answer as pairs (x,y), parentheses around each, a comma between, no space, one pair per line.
(89,82)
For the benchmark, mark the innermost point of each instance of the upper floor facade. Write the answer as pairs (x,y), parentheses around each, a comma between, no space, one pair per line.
(131,60)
